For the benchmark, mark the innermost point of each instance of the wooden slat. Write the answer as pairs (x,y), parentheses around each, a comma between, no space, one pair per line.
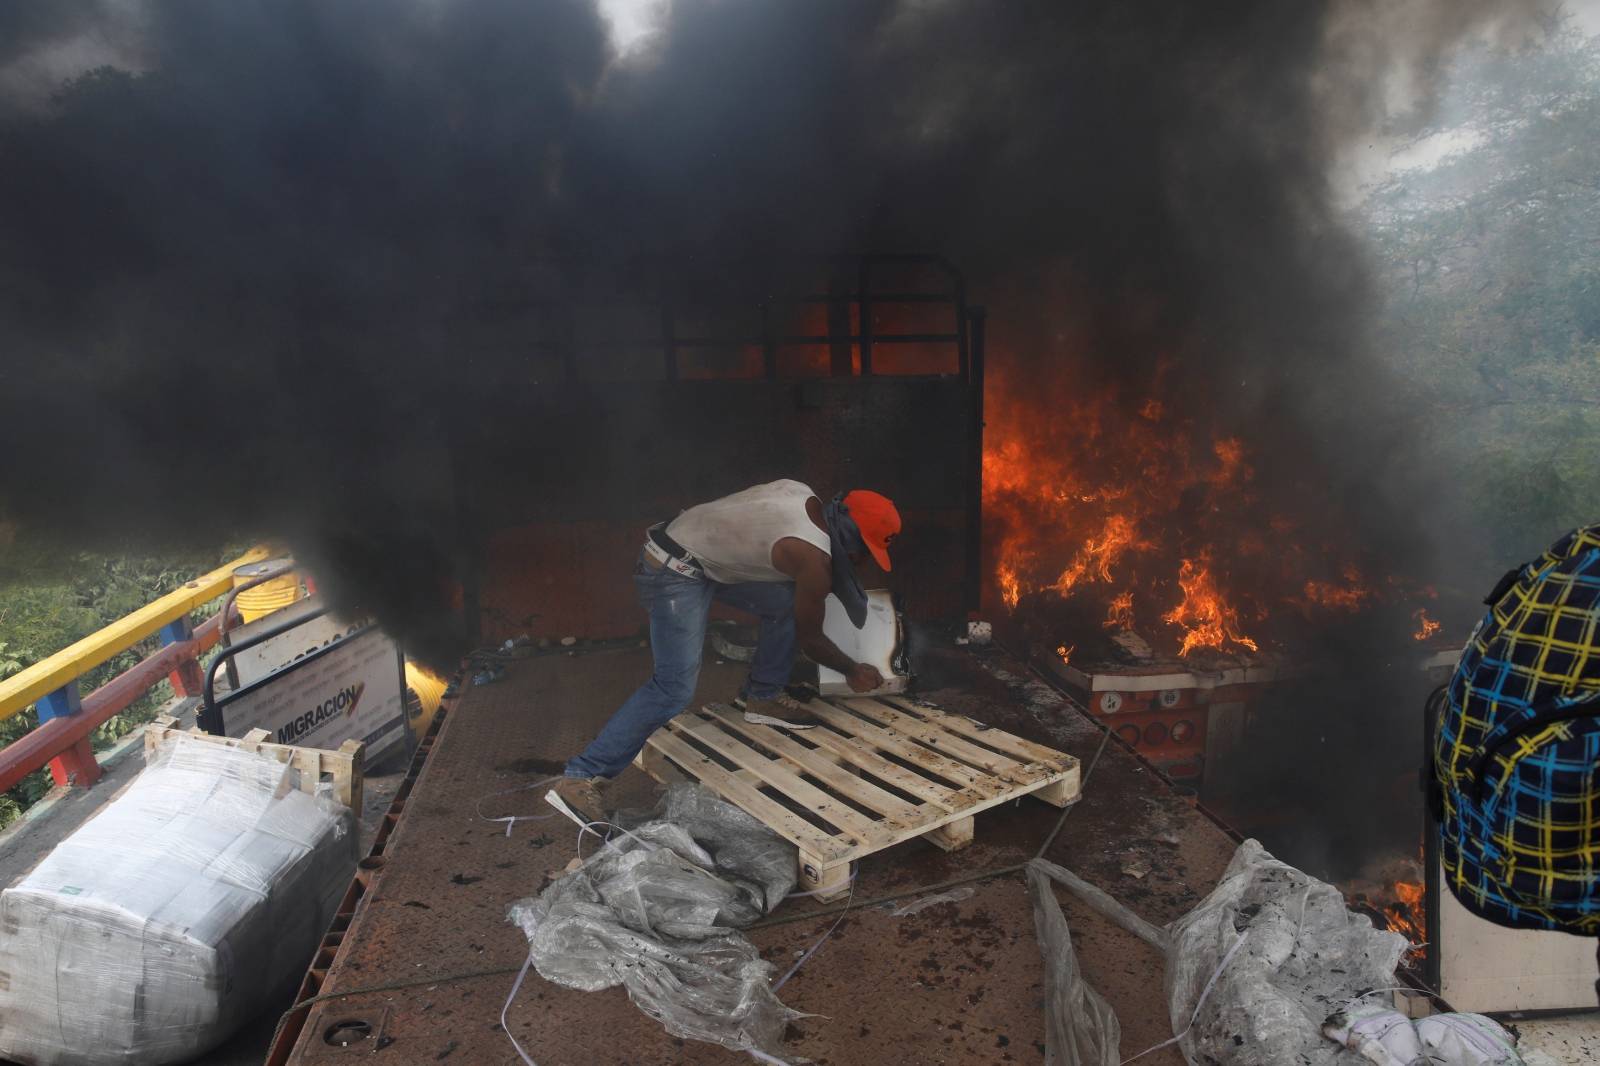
(952,836)
(817,765)
(892,742)
(988,735)
(355,784)
(799,832)
(941,739)
(780,776)
(934,829)
(343,766)
(660,767)
(767,760)
(155,731)
(864,755)
(827,882)
(1062,793)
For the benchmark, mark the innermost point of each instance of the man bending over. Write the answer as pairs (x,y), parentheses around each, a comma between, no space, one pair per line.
(774,551)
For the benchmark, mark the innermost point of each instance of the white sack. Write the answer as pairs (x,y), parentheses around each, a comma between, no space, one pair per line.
(152,932)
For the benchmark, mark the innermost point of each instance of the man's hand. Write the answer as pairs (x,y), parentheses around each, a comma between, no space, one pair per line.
(813,578)
(864,677)
(812,571)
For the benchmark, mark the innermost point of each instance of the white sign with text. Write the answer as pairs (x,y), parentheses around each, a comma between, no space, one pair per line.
(351,688)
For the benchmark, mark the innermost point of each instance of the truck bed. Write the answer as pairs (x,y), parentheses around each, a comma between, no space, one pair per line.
(429,958)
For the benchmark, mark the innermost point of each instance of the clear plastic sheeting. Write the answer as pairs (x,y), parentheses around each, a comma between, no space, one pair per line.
(760,863)
(657,908)
(1081,1029)
(187,903)
(1264,959)
(1382,1035)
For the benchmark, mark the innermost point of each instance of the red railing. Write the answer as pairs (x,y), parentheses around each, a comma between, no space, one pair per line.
(66,720)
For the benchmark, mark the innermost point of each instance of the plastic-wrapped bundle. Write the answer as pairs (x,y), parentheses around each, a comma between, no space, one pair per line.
(746,852)
(152,932)
(1384,1036)
(1273,952)
(1081,1029)
(656,910)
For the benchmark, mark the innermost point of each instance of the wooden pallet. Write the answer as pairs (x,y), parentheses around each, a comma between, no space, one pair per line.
(877,772)
(341,768)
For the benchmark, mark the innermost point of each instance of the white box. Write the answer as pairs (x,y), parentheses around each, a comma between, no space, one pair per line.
(877,642)
(158,927)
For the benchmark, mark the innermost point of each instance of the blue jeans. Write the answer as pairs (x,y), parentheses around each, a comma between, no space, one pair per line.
(679,609)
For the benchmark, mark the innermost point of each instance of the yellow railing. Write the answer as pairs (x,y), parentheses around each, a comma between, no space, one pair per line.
(21,690)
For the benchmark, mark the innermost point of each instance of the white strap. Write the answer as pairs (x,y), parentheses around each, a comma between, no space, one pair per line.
(671,562)
(515,988)
(1237,944)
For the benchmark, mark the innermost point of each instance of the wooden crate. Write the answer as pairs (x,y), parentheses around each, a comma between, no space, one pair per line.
(342,768)
(877,772)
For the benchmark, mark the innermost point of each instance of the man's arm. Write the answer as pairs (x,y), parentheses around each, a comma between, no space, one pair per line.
(813,580)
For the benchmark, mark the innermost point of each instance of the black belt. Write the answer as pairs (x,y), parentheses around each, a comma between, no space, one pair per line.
(681,562)
(658,533)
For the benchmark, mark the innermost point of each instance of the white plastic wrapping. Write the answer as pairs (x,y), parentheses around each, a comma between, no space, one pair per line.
(1280,952)
(1385,1037)
(746,853)
(175,914)
(1081,1029)
(657,909)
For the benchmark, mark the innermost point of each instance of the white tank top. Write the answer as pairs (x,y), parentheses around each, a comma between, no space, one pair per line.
(733,537)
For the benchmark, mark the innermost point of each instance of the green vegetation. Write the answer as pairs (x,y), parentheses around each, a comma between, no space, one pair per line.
(50,598)
(1491,261)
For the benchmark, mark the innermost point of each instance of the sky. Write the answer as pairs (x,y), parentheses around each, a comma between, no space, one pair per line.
(631,20)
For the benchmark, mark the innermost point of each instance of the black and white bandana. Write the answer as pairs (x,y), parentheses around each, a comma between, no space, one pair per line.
(844,538)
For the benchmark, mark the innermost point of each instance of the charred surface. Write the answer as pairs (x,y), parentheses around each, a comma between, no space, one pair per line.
(957,983)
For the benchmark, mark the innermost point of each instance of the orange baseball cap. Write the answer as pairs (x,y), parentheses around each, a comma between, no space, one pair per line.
(877,519)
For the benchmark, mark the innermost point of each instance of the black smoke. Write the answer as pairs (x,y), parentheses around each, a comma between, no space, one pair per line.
(237,264)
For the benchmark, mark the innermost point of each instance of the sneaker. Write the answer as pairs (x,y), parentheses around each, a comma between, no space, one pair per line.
(578,798)
(782,710)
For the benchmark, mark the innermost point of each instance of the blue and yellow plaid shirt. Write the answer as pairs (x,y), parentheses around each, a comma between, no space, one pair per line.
(1517,750)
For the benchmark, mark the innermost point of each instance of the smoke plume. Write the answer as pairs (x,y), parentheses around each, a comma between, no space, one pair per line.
(241,243)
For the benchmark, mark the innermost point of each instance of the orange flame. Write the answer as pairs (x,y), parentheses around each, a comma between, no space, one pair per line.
(1352,595)
(1120,615)
(1095,558)
(1010,586)
(1405,916)
(1426,627)
(1207,619)
(1336,597)
(1139,505)
(1064,652)
(1230,456)
(1092,488)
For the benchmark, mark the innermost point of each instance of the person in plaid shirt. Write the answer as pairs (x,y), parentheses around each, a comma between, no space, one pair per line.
(1516,750)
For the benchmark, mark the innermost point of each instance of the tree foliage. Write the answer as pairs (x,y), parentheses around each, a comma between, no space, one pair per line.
(49,598)
(1491,269)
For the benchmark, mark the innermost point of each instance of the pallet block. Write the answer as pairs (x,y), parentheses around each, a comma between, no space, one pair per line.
(876,772)
(343,767)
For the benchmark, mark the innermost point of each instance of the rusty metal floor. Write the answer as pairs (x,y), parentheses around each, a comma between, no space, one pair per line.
(429,957)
